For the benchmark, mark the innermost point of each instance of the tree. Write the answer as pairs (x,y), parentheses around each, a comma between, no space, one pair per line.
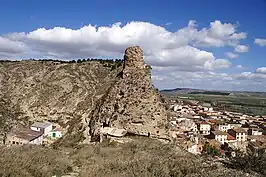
(210,149)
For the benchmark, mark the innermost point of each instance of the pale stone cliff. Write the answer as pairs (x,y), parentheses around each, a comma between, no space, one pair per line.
(131,102)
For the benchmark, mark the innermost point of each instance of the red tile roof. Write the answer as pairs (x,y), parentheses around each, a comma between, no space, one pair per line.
(204,123)
(230,137)
(212,121)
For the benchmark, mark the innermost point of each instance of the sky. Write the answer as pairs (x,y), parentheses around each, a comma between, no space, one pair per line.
(206,44)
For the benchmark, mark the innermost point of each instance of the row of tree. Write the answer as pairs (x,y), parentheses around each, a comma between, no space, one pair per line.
(73,61)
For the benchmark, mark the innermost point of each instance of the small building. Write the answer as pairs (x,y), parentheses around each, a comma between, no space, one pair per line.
(239,133)
(234,125)
(192,147)
(255,131)
(55,134)
(188,125)
(224,127)
(219,136)
(21,136)
(231,141)
(204,128)
(43,127)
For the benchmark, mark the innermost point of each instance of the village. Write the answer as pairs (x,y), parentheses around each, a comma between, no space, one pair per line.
(198,128)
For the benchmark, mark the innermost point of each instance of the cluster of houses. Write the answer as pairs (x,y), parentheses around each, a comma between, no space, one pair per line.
(193,125)
(36,134)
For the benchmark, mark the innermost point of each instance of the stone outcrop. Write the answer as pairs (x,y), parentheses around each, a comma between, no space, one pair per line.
(131,102)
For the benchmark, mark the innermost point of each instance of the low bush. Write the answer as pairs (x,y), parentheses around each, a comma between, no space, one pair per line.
(249,162)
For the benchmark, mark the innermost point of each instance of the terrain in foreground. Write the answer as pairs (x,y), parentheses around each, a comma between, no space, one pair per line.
(141,157)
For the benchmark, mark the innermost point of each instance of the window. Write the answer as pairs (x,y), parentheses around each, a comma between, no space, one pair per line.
(13,142)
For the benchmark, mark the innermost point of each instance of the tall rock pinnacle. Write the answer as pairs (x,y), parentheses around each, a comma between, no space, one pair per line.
(134,57)
(132,103)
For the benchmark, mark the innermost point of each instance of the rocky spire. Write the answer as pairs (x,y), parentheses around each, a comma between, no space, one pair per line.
(132,103)
(134,57)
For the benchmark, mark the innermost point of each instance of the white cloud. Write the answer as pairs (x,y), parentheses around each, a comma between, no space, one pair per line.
(261,70)
(241,48)
(184,55)
(240,67)
(168,23)
(162,48)
(110,40)
(250,75)
(231,55)
(11,48)
(220,34)
(260,42)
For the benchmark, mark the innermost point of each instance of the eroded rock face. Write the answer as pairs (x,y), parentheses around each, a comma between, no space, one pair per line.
(57,92)
(131,102)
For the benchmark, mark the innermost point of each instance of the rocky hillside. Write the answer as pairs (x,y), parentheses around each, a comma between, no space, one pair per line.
(82,97)
(54,91)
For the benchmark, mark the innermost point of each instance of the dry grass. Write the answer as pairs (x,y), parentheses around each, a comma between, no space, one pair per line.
(142,157)
(139,158)
(32,161)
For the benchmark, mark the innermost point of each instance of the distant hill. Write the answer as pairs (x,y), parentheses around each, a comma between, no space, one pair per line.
(180,90)
(212,92)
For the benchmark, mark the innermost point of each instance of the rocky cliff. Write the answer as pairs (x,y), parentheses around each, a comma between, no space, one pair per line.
(82,97)
(131,102)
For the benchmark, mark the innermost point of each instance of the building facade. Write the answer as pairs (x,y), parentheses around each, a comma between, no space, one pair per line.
(204,128)
(219,136)
(43,127)
(239,134)
(24,136)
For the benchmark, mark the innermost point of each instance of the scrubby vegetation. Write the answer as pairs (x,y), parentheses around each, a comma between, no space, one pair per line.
(210,149)
(135,159)
(249,162)
(140,157)
(32,161)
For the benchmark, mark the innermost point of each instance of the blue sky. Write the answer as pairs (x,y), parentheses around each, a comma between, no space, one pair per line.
(20,37)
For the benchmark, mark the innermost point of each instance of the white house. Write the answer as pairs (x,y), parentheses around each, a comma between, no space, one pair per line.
(239,134)
(224,127)
(255,131)
(43,127)
(219,136)
(204,128)
(55,134)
